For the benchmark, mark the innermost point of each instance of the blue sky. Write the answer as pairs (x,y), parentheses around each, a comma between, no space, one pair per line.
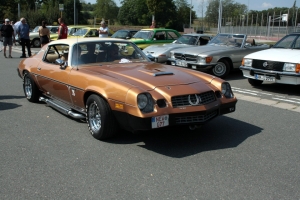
(253,4)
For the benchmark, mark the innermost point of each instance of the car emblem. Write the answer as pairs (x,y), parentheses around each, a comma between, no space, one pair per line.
(195,101)
(265,64)
(183,57)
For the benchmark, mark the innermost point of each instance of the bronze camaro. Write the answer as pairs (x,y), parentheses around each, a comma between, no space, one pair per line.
(112,84)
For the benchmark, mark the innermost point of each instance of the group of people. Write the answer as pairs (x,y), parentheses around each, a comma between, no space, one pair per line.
(9,32)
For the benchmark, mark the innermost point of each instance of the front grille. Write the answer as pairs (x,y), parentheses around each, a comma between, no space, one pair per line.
(195,119)
(205,98)
(272,65)
(186,57)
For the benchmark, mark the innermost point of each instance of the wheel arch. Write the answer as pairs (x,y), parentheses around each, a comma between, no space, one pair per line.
(229,61)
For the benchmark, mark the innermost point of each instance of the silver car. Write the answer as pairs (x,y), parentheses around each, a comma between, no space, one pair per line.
(221,55)
(161,53)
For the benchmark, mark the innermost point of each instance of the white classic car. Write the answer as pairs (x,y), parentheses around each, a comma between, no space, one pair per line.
(279,64)
(221,55)
(161,53)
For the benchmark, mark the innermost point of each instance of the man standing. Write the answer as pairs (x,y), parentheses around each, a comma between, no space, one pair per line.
(62,30)
(103,30)
(8,35)
(15,31)
(23,32)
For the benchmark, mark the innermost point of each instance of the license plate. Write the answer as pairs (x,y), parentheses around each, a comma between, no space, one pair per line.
(194,67)
(265,78)
(181,63)
(160,121)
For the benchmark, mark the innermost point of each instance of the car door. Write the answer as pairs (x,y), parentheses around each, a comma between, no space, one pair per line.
(52,78)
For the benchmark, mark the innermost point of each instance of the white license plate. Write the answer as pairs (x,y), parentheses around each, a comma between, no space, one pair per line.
(264,78)
(160,121)
(181,63)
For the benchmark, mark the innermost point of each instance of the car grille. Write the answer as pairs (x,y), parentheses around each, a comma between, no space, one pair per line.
(205,98)
(272,65)
(186,57)
(196,118)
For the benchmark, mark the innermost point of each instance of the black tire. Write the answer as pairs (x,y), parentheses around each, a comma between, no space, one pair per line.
(30,89)
(36,42)
(255,82)
(99,117)
(222,69)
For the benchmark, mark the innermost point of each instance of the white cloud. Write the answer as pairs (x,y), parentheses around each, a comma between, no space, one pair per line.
(266,5)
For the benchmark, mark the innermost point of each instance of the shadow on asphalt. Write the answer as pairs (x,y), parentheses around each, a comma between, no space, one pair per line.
(220,133)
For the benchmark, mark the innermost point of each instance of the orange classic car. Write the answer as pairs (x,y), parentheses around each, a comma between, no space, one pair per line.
(112,85)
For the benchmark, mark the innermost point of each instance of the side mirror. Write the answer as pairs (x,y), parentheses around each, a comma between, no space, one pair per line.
(61,63)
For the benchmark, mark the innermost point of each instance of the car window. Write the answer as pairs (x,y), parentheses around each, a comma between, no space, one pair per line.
(286,42)
(172,35)
(144,34)
(160,35)
(55,52)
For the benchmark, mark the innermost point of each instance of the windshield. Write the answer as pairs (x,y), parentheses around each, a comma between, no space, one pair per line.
(288,42)
(187,39)
(80,32)
(144,35)
(120,34)
(35,29)
(112,52)
(233,40)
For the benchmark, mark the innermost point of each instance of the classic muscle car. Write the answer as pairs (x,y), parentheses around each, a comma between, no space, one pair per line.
(221,55)
(279,64)
(159,36)
(161,53)
(112,84)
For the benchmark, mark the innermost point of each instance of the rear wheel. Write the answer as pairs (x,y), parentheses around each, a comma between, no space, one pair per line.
(100,119)
(222,69)
(255,82)
(31,91)
(36,43)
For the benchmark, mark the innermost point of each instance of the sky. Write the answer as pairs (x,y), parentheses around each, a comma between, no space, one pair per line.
(252,4)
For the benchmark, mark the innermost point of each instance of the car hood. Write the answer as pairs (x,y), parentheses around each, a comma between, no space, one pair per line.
(143,74)
(138,40)
(207,49)
(281,55)
(164,48)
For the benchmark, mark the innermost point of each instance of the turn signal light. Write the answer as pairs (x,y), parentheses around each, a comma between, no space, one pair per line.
(208,59)
(297,68)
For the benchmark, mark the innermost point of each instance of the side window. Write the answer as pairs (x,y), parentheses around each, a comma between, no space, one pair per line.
(160,35)
(172,35)
(56,51)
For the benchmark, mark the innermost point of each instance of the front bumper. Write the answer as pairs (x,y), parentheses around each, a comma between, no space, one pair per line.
(191,64)
(291,78)
(133,123)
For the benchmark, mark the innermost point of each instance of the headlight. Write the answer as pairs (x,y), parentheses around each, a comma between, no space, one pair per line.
(226,90)
(204,60)
(289,67)
(145,102)
(247,62)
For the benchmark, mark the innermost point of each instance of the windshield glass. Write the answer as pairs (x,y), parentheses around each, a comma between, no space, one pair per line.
(288,42)
(80,32)
(120,34)
(144,35)
(187,39)
(233,40)
(108,52)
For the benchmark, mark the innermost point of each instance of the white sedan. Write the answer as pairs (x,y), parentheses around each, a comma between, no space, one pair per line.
(279,64)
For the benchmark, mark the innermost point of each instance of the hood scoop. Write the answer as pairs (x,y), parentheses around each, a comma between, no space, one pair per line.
(163,73)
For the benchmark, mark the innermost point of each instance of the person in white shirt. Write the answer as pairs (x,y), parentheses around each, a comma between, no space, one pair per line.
(103,30)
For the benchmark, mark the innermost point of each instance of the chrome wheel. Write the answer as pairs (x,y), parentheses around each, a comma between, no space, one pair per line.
(27,87)
(30,89)
(94,117)
(221,69)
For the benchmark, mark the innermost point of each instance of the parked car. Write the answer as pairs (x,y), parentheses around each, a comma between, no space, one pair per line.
(118,89)
(85,32)
(146,37)
(35,37)
(124,33)
(221,55)
(161,53)
(71,31)
(279,64)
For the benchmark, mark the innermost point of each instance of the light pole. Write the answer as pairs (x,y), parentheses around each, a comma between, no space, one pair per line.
(36,4)
(191,15)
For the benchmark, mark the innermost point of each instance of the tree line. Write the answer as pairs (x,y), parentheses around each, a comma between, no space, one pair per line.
(174,14)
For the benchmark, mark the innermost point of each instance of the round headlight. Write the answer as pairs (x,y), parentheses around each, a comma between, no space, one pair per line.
(142,101)
(226,90)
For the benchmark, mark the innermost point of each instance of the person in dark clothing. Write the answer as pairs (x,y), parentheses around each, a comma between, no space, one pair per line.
(7,32)
(23,32)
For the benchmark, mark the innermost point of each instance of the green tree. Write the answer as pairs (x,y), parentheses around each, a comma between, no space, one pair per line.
(106,9)
(134,12)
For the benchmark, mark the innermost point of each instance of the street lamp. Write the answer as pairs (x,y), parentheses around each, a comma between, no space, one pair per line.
(191,15)
(36,4)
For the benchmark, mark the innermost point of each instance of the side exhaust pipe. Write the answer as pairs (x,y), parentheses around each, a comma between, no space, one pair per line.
(62,109)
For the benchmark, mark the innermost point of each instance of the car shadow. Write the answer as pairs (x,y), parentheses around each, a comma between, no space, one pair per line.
(180,142)
(6,105)
(235,75)
(282,89)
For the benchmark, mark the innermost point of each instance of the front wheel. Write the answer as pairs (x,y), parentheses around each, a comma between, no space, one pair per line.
(222,69)
(254,82)
(31,90)
(100,119)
